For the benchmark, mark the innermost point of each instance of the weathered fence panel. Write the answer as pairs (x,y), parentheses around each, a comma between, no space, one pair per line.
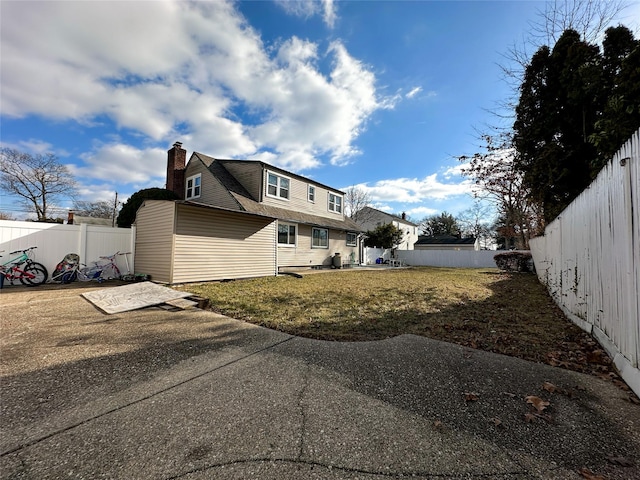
(589,258)
(55,240)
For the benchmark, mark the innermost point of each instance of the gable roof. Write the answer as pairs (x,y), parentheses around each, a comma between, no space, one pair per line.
(370,211)
(444,240)
(246,202)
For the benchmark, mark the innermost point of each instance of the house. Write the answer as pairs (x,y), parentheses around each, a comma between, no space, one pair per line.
(240,219)
(446,242)
(369,218)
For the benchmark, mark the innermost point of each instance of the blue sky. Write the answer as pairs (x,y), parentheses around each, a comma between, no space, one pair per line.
(381,95)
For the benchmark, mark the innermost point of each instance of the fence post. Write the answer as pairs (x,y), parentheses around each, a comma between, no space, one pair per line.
(82,242)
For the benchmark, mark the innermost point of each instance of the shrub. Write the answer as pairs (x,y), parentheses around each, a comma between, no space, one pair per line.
(514,261)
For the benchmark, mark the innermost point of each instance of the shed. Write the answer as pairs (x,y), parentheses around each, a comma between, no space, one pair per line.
(182,242)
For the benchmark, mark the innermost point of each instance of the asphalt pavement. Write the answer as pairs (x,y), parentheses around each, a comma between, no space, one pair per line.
(256,403)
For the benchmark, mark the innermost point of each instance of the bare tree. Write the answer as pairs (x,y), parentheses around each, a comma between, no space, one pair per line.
(38,180)
(475,222)
(6,216)
(499,181)
(355,199)
(99,209)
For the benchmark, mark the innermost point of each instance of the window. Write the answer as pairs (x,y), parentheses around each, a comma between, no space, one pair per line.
(319,238)
(352,239)
(311,195)
(277,186)
(193,187)
(286,234)
(335,203)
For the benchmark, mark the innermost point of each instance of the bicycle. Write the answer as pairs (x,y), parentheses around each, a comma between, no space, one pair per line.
(32,274)
(101,271)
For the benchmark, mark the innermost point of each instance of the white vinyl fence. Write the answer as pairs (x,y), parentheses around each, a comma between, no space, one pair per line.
(589,258)
(435,258)
(449,258)
(55,240)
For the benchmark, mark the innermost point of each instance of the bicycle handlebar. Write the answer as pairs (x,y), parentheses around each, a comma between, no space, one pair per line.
(23,251)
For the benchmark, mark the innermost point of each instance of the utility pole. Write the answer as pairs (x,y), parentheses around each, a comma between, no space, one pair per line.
(115,208)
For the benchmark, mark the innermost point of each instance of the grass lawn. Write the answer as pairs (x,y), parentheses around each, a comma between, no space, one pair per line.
(485,309)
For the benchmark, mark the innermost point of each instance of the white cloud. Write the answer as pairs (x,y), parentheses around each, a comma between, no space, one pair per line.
(414,91)
(309,8)
(118,163)
(414,190)
(421,212)
(195,72)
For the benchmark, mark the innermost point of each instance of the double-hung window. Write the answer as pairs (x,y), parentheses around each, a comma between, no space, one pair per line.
(335,203)
(319,238)
(192,187)
(311,194)
(352,239)
(278,186)
(286,234)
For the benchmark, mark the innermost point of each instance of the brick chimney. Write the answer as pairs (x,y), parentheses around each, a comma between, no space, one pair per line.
(176,160)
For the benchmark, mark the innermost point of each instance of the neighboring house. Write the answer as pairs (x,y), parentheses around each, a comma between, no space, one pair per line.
(240,219)
(73,219)
(369,218)
(446,242)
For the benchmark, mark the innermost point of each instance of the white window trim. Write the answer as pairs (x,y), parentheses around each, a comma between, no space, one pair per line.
(309,199)
(319,246)
(355,244)
(295,240)
(186,186)
(329,203)
(277,195)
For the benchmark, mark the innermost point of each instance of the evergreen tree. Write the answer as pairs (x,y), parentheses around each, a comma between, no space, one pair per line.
(384,236)
(128,212)
(572,100)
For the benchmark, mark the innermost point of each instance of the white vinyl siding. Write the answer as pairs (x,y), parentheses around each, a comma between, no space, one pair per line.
(154,239)
(335,203)
(211,191)
(304,255)
(193,187)
(216,245)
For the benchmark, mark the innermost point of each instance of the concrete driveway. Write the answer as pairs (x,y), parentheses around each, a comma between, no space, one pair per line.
(156,394)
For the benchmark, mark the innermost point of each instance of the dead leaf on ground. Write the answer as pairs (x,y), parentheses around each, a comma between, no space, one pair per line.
(589,475)
(549,387)
(438,424)
(471,397)
(512,395)
(529,417)
(621,461)
(538,403)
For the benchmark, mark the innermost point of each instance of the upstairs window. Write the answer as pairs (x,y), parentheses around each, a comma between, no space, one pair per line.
(286,234)
(278,186)
(193,187)
(311,194)
(335,203)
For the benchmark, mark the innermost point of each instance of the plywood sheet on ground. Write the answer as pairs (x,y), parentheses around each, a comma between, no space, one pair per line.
(132,297)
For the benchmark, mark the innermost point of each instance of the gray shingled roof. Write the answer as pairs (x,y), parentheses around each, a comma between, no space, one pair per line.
(247,203)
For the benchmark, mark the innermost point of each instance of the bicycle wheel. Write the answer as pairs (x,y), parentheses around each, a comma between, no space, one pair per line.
(36,274)
(69,277)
